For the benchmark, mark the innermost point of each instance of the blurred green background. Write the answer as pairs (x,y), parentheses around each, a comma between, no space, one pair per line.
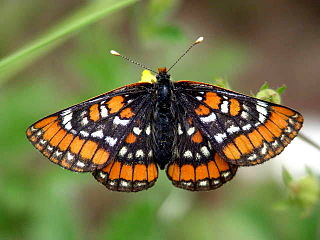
(56,53)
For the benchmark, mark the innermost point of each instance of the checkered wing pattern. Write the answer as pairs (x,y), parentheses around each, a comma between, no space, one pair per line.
(243,130)
(133,168)
(197,166)
(87,136)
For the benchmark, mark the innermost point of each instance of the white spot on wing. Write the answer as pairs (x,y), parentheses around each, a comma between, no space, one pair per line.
(263,104)
(233,129)
(262,113)
(211,118)
(225,107)
(205,151)
(98,134)
(123,151)
(150,153)
(84,133)
(288,130)
(80,164)
(275,143)
(124,183)
(220,137)
(57,153)
(244,115)
(191,131)
(84,121)
(187,154)
(103,111)
(68,126)
(148,130)
(69,156)
(226,174)
(264,149)
(179,129)
(246,127)
(137,130)
(199,98)
(139,153)
(119,121)
(252,157)
(102,175)
(111,141)
(66,118)
(66,112)
(203,183)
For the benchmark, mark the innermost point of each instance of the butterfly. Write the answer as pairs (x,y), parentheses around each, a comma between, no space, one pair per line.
(199,133)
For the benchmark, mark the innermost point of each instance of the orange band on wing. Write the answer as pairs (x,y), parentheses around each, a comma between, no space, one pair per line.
(115,104)
(126,172)
(140,172)
(174,172)
(58,137)
(231,151)
(52,130)
(94,113)
(197,137)
(76,145)
(213,170)
(202,110)
(222,165)
(234,107)
(256,138)
(187,172)
(283,110)
(45,122)
(64,144)
(243,144)
(152,172)
(88,149)
(212,100)
(201,172)
(130,138)
(126,113)
(115,170)
(100,157)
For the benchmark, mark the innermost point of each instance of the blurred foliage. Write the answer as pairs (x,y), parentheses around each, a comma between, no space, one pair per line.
(267,94)
(41,201)
(303,194)
(82,17)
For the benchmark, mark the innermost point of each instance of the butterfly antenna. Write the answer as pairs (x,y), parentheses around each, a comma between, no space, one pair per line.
(114,53)
(199,40)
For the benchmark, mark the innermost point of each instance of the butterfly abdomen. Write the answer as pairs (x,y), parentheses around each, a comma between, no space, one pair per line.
(164,122)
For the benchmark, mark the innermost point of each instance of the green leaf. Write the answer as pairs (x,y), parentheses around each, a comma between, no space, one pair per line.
(281,90)
(221,82)
(91,13)
(286,176)
(264,86)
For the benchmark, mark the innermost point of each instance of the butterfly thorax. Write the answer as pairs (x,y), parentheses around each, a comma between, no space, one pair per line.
(163,123)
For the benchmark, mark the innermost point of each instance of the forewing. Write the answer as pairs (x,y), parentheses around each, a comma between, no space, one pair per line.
(196,166)
(133,168)
(86,136)
(244,130)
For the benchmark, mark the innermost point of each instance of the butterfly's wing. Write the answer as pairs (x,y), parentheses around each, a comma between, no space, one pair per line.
(88,136)
(133,168)
(243,130)
(197,166)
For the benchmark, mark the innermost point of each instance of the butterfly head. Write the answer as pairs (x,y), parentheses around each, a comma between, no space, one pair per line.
(163,75)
